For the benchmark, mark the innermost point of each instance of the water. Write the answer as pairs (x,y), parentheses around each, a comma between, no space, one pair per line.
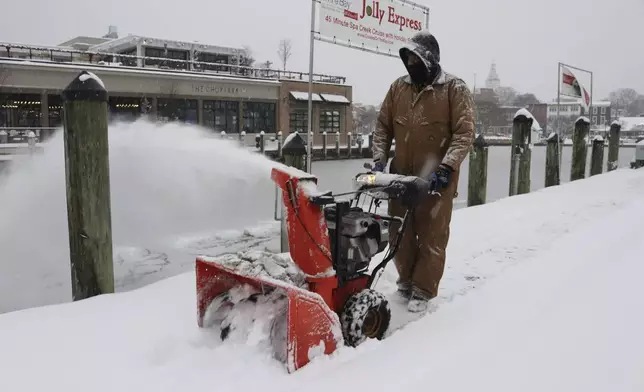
(165,181)
(337,175)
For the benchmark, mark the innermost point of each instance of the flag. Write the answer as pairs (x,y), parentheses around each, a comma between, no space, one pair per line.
(571,87)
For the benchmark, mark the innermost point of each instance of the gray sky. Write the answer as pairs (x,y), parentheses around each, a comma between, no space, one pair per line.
(525,38)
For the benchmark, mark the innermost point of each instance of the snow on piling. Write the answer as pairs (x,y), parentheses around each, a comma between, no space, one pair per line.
(613,146)
(579,148)
(521,152)
(597,155)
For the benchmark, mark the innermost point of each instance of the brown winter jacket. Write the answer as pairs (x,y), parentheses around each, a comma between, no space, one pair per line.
(430,127)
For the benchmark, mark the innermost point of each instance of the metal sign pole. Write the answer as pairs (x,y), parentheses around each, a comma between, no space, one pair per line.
(309,153)
(560,134)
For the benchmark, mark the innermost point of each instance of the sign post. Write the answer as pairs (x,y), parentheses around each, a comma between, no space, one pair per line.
(374,26)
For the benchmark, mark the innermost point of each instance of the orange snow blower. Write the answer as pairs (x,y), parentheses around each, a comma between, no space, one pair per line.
(331,242)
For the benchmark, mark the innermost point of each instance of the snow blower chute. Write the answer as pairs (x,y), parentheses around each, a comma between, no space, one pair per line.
(331,244)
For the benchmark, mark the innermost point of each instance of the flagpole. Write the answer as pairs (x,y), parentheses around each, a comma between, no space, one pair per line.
(559,132)
(590,106)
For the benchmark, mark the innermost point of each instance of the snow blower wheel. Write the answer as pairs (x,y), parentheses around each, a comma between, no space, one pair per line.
(366,315)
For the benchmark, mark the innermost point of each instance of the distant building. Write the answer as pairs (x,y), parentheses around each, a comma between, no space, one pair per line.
(495,119)
(632,127)
(167,80)
(493,81)
(600,116)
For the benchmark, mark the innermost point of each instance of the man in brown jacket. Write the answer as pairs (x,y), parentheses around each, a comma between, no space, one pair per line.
(430,115)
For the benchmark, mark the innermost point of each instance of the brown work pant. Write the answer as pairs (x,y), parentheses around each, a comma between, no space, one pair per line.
(420,259)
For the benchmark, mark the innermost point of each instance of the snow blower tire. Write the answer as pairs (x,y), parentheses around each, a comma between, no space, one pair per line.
(366,314)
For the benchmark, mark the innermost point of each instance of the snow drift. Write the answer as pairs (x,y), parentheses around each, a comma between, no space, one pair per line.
(165,180)
(542,292)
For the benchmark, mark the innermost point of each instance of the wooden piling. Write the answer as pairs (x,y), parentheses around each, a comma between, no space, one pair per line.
(477,181)
(349,145)
(521,153)
(262,142)
(597,156)
(579,149)
(87,175)
(324,146)
(613,146)
(279,144)
(337,145)
(552,160)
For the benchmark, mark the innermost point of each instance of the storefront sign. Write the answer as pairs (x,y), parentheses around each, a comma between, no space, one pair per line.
(216,89)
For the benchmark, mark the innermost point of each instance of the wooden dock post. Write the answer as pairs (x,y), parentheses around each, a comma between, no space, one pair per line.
(262,142)
(349,145)
(613,146)
(279,144)
(337,145)
(87,176)
(552,160)
(597,156)
(477,181)
(521,153)
(324,146)
(579,149)
(294,153)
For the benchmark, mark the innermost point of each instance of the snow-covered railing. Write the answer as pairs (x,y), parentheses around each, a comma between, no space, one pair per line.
(49,54)
(353,146)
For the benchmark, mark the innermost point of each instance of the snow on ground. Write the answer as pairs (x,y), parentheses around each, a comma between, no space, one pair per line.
(541,292)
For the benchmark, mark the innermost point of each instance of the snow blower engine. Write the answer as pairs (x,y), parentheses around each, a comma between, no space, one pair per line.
(331,244)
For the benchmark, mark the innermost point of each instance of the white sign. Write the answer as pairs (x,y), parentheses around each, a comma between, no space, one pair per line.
(381,26)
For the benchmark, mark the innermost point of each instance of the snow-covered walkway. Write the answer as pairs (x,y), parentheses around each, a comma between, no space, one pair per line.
(542,292)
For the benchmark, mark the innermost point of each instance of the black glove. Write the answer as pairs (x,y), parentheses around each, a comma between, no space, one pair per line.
(378,166)
(440,179)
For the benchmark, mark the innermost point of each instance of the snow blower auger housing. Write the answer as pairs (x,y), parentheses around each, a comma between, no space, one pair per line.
(332,242)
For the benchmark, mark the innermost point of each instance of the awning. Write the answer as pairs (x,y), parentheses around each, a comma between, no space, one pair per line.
(300,96)
(335,98)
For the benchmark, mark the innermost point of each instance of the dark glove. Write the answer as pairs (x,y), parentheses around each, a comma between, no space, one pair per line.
(440,179)
(378,166)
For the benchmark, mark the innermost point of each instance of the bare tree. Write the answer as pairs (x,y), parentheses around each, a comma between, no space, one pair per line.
(284,51)
(622,98)
(524,100)
(506,95)
(246,58)
(364,118)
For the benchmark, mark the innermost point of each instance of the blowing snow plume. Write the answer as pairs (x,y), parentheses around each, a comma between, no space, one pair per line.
(167,181)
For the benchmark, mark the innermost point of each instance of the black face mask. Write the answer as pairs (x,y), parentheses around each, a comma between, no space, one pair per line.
(418,73)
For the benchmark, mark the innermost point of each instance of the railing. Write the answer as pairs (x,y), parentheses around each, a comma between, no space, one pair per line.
(49,54)
(10,135)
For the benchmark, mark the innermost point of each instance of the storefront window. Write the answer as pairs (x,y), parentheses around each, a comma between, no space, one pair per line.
(221,116)
(167,54)
(259,116)
(184,110)
(20,110)
(330,121)
(124,108)
(55,103)
(299,121)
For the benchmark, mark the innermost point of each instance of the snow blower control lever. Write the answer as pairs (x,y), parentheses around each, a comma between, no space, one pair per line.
(332,242)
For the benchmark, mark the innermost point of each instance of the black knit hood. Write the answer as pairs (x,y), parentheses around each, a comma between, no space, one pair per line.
(426,47)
